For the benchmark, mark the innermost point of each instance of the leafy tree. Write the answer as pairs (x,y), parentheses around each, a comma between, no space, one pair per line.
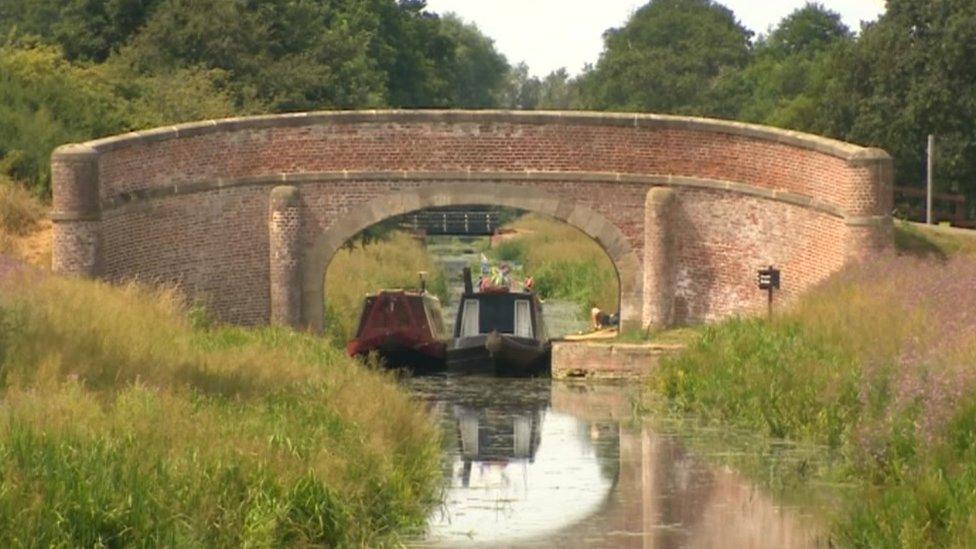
(558,91)
(522,91)
(791,69)
(912,73)
(44,102)
(808,30)
(84,29)
(667,58)
(476,71)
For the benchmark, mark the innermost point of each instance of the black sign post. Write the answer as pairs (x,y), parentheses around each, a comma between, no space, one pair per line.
(769,281)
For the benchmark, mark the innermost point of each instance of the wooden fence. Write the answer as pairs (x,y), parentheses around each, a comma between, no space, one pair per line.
(946,207)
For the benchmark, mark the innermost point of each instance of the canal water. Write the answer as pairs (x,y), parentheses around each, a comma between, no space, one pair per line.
(543,463)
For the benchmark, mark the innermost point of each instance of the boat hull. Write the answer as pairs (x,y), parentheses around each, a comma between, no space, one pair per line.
(398,352)
(499,354)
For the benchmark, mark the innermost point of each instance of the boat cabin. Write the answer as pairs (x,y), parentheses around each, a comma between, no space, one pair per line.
(397,310)
(517,314)
(405,328)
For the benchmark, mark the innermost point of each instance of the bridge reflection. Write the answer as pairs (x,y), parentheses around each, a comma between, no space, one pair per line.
(539,464)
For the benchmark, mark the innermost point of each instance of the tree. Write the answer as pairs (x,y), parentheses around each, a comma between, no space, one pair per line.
(85,29)
(790,72)
(667,58)
(476,71)
(913,73)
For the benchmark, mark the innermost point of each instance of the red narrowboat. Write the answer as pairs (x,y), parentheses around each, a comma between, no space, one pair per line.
(405,328)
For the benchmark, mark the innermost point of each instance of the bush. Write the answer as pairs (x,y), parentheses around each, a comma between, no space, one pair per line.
(122,425)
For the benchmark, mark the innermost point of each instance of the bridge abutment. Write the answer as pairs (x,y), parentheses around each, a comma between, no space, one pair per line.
(76,215)
(284,236)
(658,258)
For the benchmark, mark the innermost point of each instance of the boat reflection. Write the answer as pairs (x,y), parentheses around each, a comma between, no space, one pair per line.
(533,463)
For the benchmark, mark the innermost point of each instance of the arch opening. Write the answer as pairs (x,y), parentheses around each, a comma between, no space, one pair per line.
(320,252)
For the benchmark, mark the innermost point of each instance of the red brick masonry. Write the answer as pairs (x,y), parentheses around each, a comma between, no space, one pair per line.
(192,204)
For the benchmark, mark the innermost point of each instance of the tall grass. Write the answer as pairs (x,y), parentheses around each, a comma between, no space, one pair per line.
(879,363)
(564,262)
(122,424)
(392,261)
(20,211)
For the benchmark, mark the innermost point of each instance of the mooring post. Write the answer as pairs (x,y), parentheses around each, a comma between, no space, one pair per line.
(284,231)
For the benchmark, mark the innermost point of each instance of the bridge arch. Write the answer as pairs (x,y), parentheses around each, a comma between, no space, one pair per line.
(244,213)
(319,252)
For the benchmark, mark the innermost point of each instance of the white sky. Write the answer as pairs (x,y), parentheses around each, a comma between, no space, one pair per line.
(548,34)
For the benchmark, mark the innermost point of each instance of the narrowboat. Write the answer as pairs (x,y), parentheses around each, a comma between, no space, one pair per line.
(405,328)
(499,331)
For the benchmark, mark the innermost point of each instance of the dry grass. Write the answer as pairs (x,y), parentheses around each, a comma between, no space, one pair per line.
(25,231)
(124,425)
(392,262)
(20,211)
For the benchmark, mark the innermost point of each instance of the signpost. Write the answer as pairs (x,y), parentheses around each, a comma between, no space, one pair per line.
(769,281)
(929,169)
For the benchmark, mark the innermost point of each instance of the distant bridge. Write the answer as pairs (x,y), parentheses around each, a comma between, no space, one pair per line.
(460,221)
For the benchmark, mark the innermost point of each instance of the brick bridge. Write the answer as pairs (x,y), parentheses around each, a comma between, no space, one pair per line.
(245,214)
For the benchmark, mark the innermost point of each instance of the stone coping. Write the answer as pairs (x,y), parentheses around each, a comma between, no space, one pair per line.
(143,196)
(847,151)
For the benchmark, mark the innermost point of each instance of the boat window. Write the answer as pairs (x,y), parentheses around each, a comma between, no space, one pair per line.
(469,318)
(497,315)
(523,318)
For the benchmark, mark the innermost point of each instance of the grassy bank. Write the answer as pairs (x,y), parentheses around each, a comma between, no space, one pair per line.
(391,261)
(124,424)
(879,364)
(565,263)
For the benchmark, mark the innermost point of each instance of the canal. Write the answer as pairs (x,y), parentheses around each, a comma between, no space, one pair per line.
(532,463)
(540,463)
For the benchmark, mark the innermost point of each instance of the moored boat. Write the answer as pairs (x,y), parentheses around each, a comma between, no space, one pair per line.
(405,328)
(499,331)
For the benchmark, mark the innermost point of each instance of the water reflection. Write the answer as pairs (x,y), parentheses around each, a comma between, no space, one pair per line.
(536,463)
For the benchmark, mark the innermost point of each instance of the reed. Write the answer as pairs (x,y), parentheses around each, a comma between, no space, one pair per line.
(392,261)
(123,424)
(563,261)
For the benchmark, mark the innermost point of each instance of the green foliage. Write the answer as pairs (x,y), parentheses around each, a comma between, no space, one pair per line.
(914,73)
(667,58)
(122,425)
(73,70)
(44,102)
